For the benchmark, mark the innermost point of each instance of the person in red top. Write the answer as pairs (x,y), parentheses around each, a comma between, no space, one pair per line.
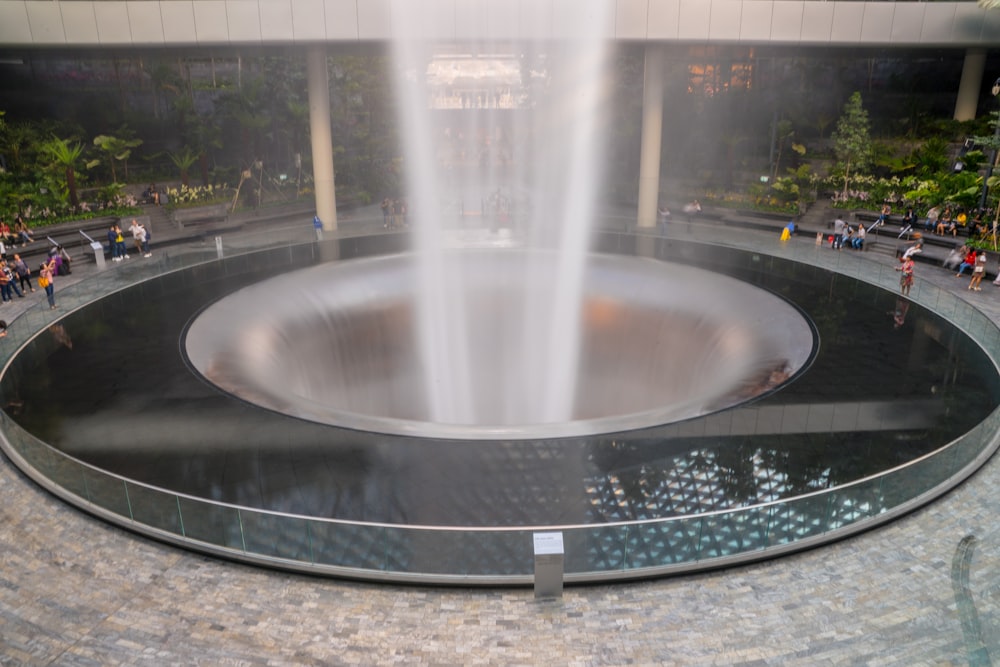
(968,262)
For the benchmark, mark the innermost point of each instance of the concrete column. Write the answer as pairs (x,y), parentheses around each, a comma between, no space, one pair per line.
(322,141)
(968,88)
(652,133)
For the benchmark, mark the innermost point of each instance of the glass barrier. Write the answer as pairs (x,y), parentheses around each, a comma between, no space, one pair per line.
(392,552)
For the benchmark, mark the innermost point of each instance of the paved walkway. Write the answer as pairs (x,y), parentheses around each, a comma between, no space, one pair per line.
(76,591)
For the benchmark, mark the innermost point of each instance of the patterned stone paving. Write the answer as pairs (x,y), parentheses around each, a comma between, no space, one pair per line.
(75,591)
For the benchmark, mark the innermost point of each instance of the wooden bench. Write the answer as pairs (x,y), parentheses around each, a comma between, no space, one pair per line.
(186,217)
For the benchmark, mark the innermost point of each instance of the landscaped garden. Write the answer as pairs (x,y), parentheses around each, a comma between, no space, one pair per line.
(236,132)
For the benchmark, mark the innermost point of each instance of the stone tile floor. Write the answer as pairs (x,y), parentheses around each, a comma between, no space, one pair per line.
(75,591)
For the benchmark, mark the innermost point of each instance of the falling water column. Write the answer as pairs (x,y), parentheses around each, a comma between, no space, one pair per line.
(652,131)
(322,141)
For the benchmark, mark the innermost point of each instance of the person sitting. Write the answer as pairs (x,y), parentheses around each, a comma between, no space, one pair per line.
(913,249)
(967,263)
(24,233)
(909,218)
(859,238)
(933,215)
(945,222)
(64,266)
(978,227)
(848,239)
(884,214)
(962,219)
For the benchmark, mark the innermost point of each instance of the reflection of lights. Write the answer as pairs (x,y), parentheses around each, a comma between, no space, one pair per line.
(458,82)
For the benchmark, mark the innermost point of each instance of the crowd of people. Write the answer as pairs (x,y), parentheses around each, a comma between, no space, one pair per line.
(845,234)
(941,220)
(16,275)
(17,236)
(394,214)
(116,241)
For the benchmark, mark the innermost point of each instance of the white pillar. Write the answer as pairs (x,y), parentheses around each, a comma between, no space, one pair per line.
(652,133)
(971,83)
(322,141)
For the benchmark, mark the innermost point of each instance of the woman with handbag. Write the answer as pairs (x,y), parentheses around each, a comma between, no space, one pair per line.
(45,274)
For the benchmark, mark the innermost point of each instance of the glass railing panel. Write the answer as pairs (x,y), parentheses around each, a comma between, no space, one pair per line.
(733,533)
(664,543)
(211,523)
(276,535)
(66,473)
(797,519)
(595,549)
(154,508)
(919,477)
(458,552)
(858,502)
(352,545)
(106,491)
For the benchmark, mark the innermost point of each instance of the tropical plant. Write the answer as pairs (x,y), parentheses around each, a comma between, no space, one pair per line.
(932,157)
(183,159)
(188,196)
(118,149)
(65,156)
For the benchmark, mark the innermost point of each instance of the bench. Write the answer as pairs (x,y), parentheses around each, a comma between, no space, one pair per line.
(186,217)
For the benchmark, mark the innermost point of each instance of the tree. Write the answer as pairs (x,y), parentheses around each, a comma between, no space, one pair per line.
(991,180)
(205,136)
(783,132)
(67,157)
(851,139)
(117,149)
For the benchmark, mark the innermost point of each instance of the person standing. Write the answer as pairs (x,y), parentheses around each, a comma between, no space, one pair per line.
(906,280)
(8,271)
(120,243)
(978,273)
(5,291)
(838,232)
(23,273)
(692,209)
(113,244)
(139,237)
(386,207)
(663,217)
(46,273)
